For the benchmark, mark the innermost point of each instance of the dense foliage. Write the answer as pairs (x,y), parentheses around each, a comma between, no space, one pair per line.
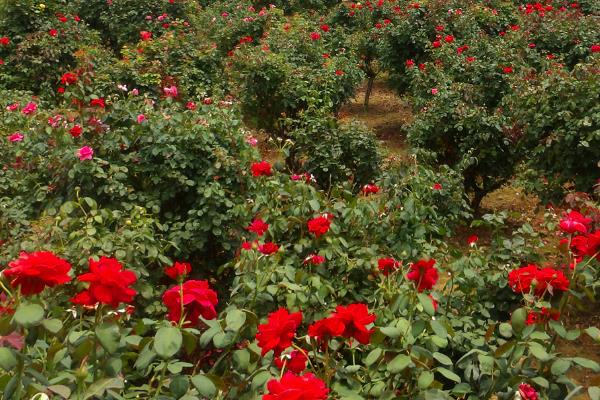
(184,216)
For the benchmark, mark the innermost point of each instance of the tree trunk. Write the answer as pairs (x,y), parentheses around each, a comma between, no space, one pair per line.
(370,83)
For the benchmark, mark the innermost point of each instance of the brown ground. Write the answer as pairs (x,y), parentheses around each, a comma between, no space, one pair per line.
(387,116)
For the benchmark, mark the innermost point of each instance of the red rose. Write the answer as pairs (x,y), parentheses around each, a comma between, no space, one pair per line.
(314,259)
(550,280)
(198,300)
(109,283)
(76,131)
(355,318)
(520,279)
(387,265)
(325,329)
(507,70)
(449,39)
(190,105)
(471,240)
(262,168)
(4,41)
(436,44)
(294,362)
(527,392)
(437,186)
(370,188)
(319,225)
(325,28)
(258,226)
(34,271)
(145,35)
(53,32)
(339,72)
(279,331)
(424,274)
(178,270)
(268,248)
(292,387)
(595,48)
(586,245)
(315,35)
(542,317)
(99,102)
(68,78)
(574,222)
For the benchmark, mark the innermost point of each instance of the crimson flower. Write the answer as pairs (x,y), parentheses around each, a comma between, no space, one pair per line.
(109,284)
(424,274)
(437,186)
(320,225)
(262,168)
(68,78)
(178,270)
(586,245)
(370,189)
(325,329)
(527,392)
(520,279)
(449,39)
(294,362)
(198,300)
(99,102)
(355,318)
(314,259)
(76,131)
(268,248)
(507,70)
(471,240)
(542,280)
(387,265)
(258,226)
(595,48)
(575,222)
(34,271)
(542,317)
(293,387)
(315,36)
(145,35)
(4,41)
(279,331)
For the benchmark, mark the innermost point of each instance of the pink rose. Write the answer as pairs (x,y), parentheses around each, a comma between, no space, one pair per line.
(85,153)
(29,108)
(16,137)
(141,118)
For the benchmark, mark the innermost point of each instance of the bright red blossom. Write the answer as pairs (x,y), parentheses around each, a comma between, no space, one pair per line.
(292,387)
(198,300)
(268,248)
(543,280)
(178,270)
(355,318)
(279,331)
(262,168)
(320,225)
(35,271)
(109,283)
(527,392)
(575,222)
(424,274)
(258,226)
(387,265)
(314,259)
(294,362)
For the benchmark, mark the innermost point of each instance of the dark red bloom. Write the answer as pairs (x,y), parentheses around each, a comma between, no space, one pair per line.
(320,225)
(370,188)
(68,78)
(268,248)
(325,329)
(314,259)
(437,186)
(258,226)
(99,102)
(109,283)
(575,222)
(198,300)
(34,271)
(543,316)
(521,280)
(472,239)
(355,318)
(424,274)
(294,362)
(279,331)
(293,387)
(76,131)
(262,168)
(387,265)
(527,392)
(178,270)
(4,41)
(145,35)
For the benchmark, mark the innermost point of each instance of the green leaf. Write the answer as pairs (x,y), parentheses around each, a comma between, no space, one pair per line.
(594,333)
(425,379)
(449,374)
(560,366)
(28,315)
(586,363)
(52,325)
(205,386)
(399,363)
(167,341)
(373,356)
(314,204)
(543,382)
(426,303)
(439,329)
(538,351)
(594,392)
(518,318)
(61,390)
(98,388)
(179,385)
(260,380)
(505,330)
(108,336)
(241,358)
(442,358)
(235,319)
(8,360)
(391,331)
